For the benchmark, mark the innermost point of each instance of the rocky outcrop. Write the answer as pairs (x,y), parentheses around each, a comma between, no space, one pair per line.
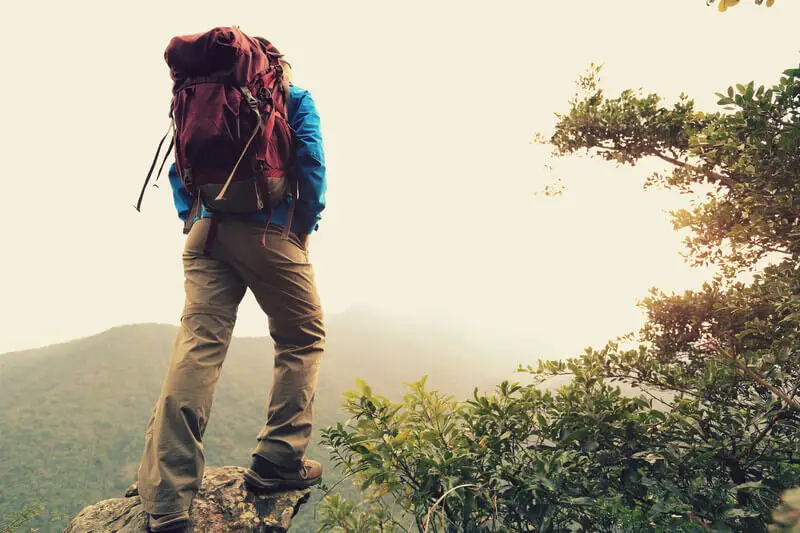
(223,504)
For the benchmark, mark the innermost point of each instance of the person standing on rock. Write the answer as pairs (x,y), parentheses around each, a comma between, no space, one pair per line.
(248,228)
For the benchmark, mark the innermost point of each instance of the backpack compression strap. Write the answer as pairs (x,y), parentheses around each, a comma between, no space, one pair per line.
(253,103)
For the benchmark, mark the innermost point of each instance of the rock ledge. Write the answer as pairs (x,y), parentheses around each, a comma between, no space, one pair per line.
(223,504)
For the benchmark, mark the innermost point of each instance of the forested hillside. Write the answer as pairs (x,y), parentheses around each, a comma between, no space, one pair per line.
(72,416)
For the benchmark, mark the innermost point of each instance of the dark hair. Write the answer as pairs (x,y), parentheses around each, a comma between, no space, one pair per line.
(268,44)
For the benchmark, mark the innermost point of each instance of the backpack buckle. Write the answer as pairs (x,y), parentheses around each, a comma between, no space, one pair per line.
(265,93)
(252,102)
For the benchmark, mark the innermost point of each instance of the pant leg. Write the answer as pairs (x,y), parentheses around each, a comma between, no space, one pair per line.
(282,281)
(173,461)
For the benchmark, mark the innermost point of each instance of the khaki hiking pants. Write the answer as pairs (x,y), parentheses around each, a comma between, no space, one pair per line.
(282,281)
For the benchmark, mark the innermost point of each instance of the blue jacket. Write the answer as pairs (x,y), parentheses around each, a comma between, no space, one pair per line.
(310,165)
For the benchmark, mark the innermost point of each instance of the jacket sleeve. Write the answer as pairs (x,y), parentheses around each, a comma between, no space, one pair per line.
(309,165)
(183,200)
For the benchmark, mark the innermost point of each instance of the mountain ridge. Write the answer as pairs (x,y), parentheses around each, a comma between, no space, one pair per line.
(73,414)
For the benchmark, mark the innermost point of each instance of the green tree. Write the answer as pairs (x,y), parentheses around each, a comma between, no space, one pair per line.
(748,154)
(20,518)
(713,438)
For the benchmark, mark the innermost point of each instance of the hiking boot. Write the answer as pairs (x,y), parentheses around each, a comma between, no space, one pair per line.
(172,523)
(132,491)
(266,475)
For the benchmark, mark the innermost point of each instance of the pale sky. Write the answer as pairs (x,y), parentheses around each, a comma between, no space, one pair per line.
(428,109)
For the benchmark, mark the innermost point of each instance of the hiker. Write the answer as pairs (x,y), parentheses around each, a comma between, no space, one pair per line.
(225,254)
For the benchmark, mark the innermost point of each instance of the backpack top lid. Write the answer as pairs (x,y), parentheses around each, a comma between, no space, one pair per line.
(224,53)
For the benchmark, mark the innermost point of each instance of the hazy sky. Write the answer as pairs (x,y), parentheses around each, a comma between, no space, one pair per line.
(428,108)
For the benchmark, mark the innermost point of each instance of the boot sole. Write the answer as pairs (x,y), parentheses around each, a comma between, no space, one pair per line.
(261,483)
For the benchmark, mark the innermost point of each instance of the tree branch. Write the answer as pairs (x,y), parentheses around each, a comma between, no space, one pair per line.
(641,380)
(761,381)
(760,437)
(708,173)
(656,398)
(770,248)
(697,520)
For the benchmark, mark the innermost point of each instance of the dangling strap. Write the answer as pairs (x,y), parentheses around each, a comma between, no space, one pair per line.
(230,178)
(138,205)
(211,236)
(290,215)
(194,212)
(166,155)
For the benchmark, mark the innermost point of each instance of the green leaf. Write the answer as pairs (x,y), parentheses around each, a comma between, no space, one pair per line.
(581,501)
(741,513)
(366,390)
(750,485)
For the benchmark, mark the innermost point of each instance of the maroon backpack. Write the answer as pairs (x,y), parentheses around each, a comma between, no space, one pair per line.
(233,145)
